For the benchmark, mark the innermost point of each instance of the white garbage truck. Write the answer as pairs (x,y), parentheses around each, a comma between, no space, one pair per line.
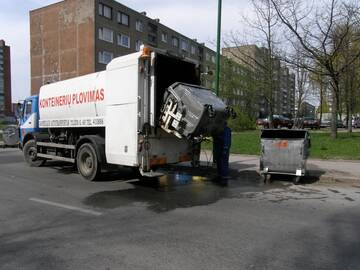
(144,111)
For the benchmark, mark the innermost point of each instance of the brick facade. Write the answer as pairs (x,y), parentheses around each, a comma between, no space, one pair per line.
(5,79)
(77,37)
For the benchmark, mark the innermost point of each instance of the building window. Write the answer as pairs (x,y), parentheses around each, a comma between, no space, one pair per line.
(138,44)
(175,41)
(139,25)
(123,18)
(152,39)
(193,49)
(152,28)
(164,37)
(207,57)
(106,34)
(105,11)
(184,45)
(105,57)
(123,40)
(213,58)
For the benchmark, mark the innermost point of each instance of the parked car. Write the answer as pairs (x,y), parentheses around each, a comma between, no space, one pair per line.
(262,122)
(279,121)
(340,124)
(327,123)
(356,122)
(311,122)
(284,122)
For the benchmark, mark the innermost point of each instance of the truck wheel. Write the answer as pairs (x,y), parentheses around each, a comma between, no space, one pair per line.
(30,151)
(87,162)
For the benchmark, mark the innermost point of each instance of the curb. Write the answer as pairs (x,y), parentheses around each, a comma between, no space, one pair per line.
(326,178)
(309,159)
(331,179)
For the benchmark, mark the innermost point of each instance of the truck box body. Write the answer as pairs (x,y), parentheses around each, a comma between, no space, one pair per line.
(78,102)
(115,99)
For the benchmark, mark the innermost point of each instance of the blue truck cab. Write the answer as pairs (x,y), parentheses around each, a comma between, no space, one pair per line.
(29,119)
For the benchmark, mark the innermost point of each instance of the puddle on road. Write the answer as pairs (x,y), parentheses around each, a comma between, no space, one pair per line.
(181,190)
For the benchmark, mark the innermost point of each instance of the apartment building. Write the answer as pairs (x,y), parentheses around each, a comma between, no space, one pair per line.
(307,110)
(286,94)
(5,79)
(76,37)
(252,58)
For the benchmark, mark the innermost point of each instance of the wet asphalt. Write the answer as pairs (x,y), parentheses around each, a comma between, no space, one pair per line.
(50,218)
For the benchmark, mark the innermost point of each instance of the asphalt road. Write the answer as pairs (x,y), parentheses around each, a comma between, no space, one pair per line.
(52,219)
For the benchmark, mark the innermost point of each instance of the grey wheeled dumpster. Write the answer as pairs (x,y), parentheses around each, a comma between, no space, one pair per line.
(191,110)
(284,152)
(11,135)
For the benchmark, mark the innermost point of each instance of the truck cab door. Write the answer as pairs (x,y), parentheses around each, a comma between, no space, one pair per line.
(29,117)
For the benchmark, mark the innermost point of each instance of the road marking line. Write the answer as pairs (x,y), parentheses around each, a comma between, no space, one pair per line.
(69,207)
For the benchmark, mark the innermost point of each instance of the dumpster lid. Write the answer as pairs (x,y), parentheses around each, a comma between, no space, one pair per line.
(284,134)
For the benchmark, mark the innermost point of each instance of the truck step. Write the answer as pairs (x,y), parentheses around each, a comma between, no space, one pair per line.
(56,145)
(72,160)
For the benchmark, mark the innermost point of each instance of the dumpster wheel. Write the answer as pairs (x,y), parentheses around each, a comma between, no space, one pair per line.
(296,180)
(266,178)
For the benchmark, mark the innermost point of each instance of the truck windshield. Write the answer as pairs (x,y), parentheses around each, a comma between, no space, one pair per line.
(28,108)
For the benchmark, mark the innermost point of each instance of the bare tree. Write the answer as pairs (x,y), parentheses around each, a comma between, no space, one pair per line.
(321,37)
(262,59)
(320,85)
(302,87)
(350,81)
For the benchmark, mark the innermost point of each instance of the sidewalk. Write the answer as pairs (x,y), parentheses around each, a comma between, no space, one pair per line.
(322,170)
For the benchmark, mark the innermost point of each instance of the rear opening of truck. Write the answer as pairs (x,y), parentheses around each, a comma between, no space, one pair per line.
(170,70)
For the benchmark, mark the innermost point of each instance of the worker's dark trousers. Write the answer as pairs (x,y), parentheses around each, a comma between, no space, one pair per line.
(221,146)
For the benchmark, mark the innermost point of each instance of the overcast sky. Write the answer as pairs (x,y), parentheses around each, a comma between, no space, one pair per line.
(195,19)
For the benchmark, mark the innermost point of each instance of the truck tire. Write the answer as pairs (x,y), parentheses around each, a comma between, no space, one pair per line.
(30,151)
(87,162)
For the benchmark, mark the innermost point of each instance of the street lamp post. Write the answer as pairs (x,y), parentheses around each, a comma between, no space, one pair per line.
(218,42)
(216,152)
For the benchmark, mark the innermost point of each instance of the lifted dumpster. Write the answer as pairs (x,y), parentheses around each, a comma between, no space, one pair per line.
(284,152)
(192,110)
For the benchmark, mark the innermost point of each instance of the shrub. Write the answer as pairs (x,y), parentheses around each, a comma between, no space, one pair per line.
(243,121)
